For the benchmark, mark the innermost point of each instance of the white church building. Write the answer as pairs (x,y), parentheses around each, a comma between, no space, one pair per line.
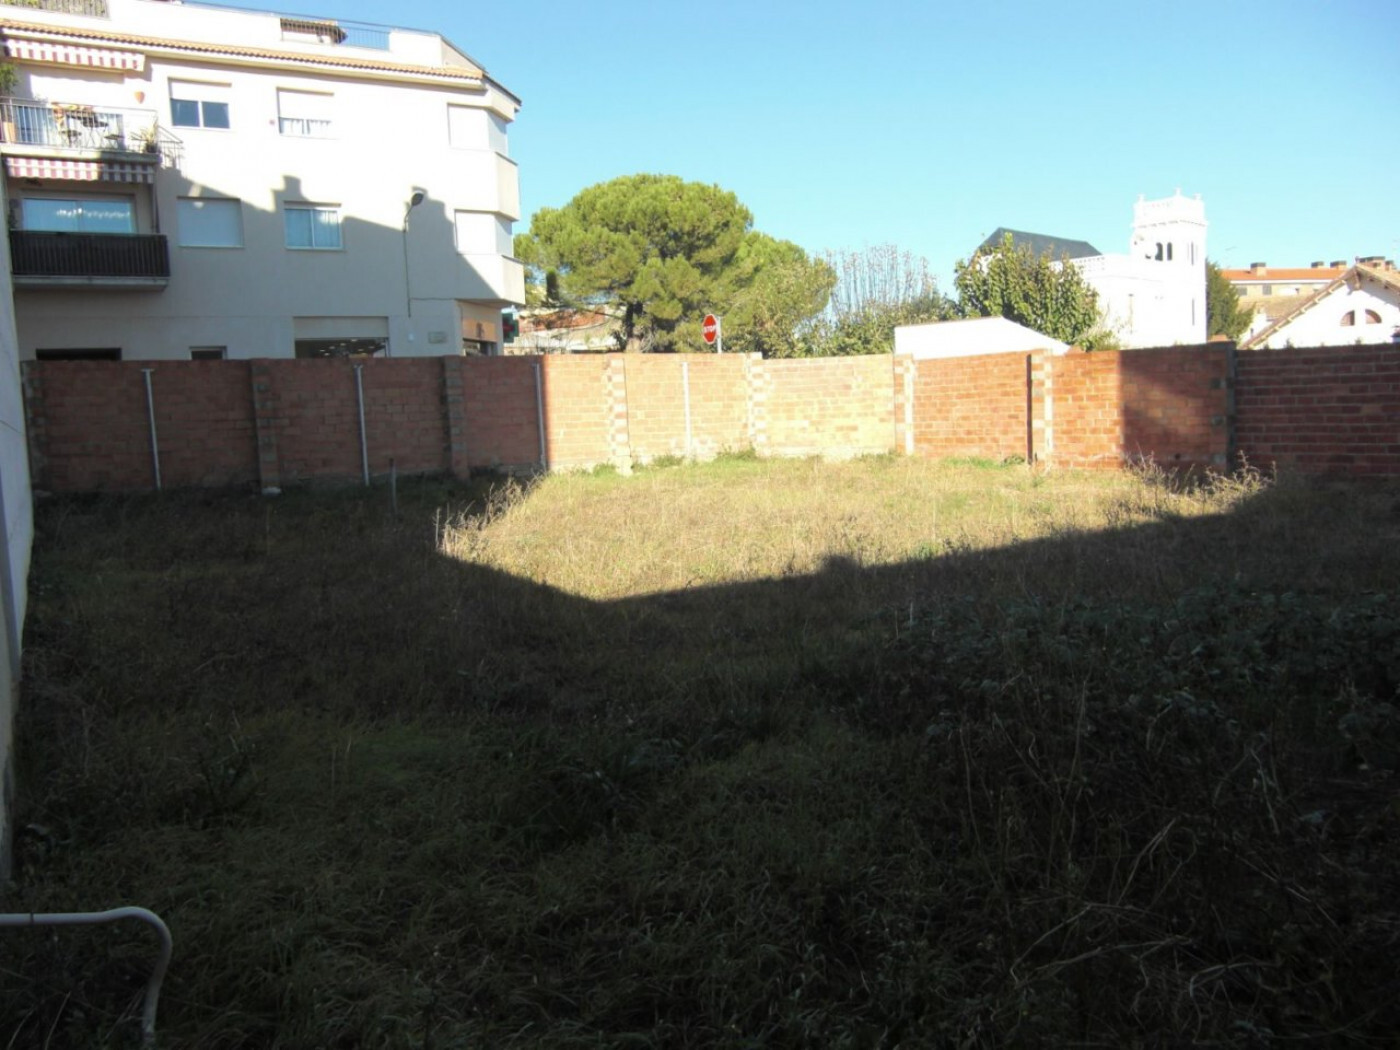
(1155,295)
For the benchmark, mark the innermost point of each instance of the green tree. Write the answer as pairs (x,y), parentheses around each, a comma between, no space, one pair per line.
(653,246)
(770,297)
(1224,314)
(1037,291)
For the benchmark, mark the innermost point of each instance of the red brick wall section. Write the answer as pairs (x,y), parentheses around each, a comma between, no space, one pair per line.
(90,432)
(577,410)
(1176,403)
(88,429)
(318,433)
(502,429)
(404,421)
(970,406)
(1169,405)
(837,406)
(1325,410)
(1330,410)
(204,423)
(1084,420)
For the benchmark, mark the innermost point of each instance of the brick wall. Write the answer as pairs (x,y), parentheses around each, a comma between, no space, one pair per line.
(501,421)
(277,422)
(828,406)
(89,430)
(1329,410)
(971,406)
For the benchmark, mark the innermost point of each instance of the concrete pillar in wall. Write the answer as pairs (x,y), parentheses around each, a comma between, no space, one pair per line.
(266,419)
(619,430)
(454,407)
(757,384)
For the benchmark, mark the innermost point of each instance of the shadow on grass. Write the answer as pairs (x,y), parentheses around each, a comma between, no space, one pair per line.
(1131,786)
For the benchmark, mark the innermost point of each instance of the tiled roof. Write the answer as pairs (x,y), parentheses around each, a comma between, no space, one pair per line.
(1272,273)
(1274,307)
(465,73)
(1041,244)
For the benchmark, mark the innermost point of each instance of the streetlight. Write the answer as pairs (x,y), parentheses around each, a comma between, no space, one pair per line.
(413,202)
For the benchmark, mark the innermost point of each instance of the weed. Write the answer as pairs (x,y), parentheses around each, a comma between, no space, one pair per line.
(868,754)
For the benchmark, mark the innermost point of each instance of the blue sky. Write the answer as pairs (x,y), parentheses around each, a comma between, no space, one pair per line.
(927,125)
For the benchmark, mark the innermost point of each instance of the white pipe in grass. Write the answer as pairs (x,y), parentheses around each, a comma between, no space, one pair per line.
(90,918)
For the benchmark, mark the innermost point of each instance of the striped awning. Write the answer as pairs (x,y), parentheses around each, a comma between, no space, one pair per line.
(78,170)
(74,55)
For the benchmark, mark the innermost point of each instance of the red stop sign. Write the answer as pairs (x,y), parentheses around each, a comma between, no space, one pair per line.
(709,328)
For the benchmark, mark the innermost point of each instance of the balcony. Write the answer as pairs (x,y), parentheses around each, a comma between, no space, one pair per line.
(89,260)
(33,127)
(94,8)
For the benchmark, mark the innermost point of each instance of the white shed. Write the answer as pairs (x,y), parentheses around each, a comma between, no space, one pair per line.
(971,337)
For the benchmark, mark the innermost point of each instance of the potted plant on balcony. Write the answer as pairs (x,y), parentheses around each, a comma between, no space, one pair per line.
(147,139)
(9,80)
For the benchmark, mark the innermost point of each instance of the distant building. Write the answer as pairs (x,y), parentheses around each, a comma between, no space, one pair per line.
(191,181)
(1361,305)
(565,330)
(1272,293)
(1155,295)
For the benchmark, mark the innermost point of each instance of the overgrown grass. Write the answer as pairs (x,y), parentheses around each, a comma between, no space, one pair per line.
(874,754)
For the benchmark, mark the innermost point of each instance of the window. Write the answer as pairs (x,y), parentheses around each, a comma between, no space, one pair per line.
(1372,317)
(79,353)
(345,346)
(208,353)
(198,105)
(312,226)
(1169,252)
(1159,251)
(1349,319)
(210,222)
(79,215)
(471,127)
(305,114)
(1268,289)
(482,233)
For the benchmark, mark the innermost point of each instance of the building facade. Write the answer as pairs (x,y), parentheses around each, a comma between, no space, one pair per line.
(1360,306)
(1155,295)
(190,181)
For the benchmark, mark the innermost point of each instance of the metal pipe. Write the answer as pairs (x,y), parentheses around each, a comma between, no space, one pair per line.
(151,418)
(364,441)
(88,918)
(539,415)
(685,395)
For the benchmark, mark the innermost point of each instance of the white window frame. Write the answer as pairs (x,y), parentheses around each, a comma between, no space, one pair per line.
(187,210)
(202,94)
(305,114)
(313,209)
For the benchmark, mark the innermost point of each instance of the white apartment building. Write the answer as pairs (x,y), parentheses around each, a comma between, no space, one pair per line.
(193,181)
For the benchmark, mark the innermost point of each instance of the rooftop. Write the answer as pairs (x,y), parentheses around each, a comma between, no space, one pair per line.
(1041,244)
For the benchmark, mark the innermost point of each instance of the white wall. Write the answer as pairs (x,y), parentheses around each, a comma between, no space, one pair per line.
(17,520)
(1321,324)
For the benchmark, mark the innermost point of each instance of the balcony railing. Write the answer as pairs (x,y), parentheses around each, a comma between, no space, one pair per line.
(39,254)
(71,125)
(311,29)
(95,8)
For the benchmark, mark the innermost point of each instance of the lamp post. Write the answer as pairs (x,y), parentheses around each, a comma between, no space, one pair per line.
(413,202)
